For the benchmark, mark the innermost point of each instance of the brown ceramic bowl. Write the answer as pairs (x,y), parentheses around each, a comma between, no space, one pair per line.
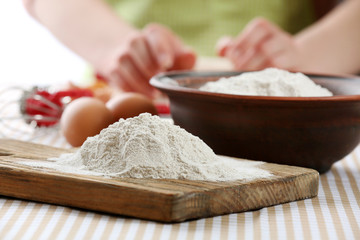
(310,132)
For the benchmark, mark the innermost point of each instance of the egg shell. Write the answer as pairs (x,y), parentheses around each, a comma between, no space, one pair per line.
(130,104)
(82,118)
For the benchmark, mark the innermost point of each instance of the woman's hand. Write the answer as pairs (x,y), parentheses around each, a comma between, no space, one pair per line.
(262,44)
(143,54)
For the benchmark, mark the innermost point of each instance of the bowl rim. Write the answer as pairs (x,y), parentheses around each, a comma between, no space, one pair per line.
(156,82)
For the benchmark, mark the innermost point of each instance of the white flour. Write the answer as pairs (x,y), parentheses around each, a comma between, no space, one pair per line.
(150,147)
(268,82)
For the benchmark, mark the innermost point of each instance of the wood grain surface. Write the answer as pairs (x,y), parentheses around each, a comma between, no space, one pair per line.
(159,200)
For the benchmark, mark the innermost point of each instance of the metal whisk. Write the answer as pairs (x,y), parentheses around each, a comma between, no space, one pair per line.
(37,106)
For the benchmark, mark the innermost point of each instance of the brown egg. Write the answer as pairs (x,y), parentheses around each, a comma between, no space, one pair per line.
(128,105)
(82,118)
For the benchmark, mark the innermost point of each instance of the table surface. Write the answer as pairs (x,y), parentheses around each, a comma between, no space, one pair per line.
(333,214)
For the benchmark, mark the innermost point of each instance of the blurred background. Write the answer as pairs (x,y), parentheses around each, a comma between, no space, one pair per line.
(29,54)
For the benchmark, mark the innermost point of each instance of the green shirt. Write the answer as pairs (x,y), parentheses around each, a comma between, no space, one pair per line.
(200,23)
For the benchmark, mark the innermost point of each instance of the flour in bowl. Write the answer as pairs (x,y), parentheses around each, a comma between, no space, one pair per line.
(268,82)
(150,147)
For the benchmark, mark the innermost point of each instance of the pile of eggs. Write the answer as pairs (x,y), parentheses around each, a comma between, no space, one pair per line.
(87,116)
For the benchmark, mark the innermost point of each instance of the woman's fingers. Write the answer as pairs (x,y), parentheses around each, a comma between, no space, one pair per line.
(160,46)
(252,62)
(146,53)
(129,78)
(184,60)
(118,81)
(223,44)
(281,51)
(255,32)
(143,57)
(244,47)
(135,77)
(261,44)
(167,45)
(276,44)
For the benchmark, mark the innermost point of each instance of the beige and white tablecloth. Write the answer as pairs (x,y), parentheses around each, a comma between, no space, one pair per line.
(333,214)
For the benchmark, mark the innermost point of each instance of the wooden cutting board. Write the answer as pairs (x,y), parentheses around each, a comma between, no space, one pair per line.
(160,200)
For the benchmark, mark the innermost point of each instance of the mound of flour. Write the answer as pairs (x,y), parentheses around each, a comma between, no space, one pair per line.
(268,82)
(150,147)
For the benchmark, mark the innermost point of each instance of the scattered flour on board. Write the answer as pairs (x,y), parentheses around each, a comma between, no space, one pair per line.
(268,82)
(150,147)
